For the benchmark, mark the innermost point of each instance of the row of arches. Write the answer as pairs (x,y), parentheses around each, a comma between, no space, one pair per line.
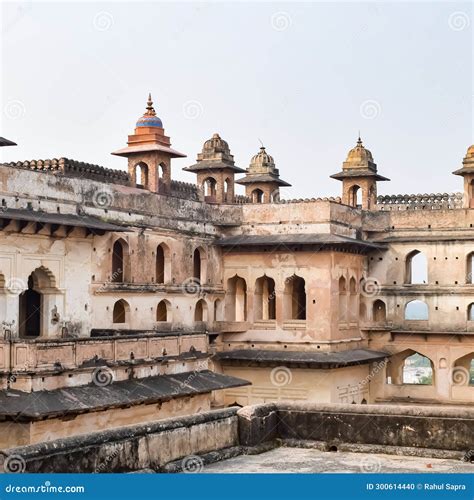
(416,268)
(121,267)
(210,187)
(142,176)
(265,304)
(416,310)
(410,367)
(121,311)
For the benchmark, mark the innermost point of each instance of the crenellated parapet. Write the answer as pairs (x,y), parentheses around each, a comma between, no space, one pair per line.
(427,201)
(185,190)
(336,199)
(74,168)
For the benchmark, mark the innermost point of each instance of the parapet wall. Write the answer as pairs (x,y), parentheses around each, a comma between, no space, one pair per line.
(433,428)
(218,434)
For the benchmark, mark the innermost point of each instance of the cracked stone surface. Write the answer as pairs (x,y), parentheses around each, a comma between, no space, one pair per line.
(284,460)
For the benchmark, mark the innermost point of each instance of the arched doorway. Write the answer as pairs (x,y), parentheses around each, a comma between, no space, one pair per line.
(35,303)
(30,311)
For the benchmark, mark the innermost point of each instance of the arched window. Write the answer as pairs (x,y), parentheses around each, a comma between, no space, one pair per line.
(257,196)
(210,189)
(163,311)
(120,261)
(264,305)
(416,268)
(342,299)
(355,197)
(416,310)
(470,312)
(163,264)
(36,303)
(200,312)
(199,265)
(163,177)
(121,311)
(379,313)
(417,369)
(295,298)
(469,268)
(463,370)
(236,299)
(141,174)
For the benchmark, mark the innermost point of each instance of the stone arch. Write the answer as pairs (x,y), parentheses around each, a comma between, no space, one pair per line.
(163,177)
(200,311)
(416,310)
(37,304)
(352,299)
(410,367)
(141,174)
(265,298)
(257,196)
(462,372)
(162,264)
(200,265)
(470,312)
(120,261)
(416,268)
(209,186)
(163,311)
(295,298)
(469,268)
(342,302)
(355,196)
(379,311)
(121,312)
(236,299)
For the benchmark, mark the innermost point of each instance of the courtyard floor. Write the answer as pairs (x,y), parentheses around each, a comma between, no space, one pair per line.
(283,460)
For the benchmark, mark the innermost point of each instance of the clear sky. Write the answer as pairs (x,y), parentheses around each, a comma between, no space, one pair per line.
(302,77)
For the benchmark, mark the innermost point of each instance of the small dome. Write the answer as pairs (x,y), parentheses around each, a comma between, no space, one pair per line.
(470,152)
(216,144)
(263,159)
(149,119)
(359,153)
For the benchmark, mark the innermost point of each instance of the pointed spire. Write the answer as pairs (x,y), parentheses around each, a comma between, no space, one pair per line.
(150,110)
(359,140)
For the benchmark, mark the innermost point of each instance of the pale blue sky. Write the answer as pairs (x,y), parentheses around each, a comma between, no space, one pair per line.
(75,77)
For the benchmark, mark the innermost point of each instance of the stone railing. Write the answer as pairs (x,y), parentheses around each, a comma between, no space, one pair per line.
(33,355)
(429,201)
(74,168)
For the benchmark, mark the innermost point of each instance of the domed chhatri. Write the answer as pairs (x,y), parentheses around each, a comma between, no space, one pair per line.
(149,118)
(216,145)
(359,153)
(262,160)
(470,152)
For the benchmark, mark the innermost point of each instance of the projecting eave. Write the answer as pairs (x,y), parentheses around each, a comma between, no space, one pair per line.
(258,179)
(313,239)
(145,148)
(356,173)
(22,406)
(6,142)
(212,165)
(309,359)
(464,171)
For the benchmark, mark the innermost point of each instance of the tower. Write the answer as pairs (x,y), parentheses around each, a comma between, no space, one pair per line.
(149,153)
(359,178)
(215,171)
(467,172)
(262,182)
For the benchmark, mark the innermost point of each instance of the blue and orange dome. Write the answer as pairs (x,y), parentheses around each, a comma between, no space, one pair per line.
(149,119)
